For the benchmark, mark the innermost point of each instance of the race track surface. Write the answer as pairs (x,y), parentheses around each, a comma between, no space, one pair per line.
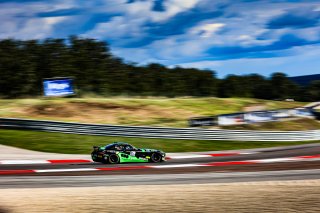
(276,164)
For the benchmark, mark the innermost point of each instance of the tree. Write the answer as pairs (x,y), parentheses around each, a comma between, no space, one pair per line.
(24,64)
(282,87)
(313,91)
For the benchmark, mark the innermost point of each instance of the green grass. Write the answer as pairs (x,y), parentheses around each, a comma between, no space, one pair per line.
(82,144)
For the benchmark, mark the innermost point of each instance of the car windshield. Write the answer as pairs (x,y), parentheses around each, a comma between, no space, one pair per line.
(110,147)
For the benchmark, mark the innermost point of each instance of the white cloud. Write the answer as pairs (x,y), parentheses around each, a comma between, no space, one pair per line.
(174,7)
(304,61)
(49,21)
(200,64)
(143,9)
(117,29)
(33,28)
(207,30)
(20,21)
(242,24)
(135,15)
(139,8)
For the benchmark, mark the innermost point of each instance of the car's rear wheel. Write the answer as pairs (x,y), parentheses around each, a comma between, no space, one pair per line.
(94,157)
(114,159)
(156,158)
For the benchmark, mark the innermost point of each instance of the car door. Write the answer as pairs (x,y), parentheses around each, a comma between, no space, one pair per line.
(130,151)
(119,148)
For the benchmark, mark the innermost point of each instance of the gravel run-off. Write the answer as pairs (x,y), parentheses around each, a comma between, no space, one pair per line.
(267,196)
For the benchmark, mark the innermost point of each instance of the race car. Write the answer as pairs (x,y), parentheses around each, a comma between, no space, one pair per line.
(120,152)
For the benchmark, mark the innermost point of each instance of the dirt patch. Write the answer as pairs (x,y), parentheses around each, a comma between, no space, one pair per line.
(51,110)
(102,106)
(72,108)
(254,108)
(270,196)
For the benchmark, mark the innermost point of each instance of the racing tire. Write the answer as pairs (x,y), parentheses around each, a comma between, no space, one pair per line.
(113,159)
(156,158)
(104,160)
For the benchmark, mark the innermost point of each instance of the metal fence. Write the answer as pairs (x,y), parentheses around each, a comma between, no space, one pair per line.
(158,132)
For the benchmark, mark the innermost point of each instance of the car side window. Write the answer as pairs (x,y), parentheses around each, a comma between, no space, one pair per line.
(119,147)
(128,148)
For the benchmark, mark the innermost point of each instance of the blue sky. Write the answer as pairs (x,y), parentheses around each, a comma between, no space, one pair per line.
(229,36)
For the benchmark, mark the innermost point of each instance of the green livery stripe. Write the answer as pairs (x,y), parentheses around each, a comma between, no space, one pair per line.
(124,158)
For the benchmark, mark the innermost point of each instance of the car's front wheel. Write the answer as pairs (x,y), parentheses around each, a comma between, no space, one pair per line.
(156,158)
(114,159)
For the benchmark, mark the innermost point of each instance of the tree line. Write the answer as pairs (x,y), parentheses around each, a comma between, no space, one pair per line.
(24,65)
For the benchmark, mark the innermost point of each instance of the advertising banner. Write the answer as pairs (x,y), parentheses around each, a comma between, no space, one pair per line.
(302,112)
(58,87)
(231,119)
(281,113)
(262,116)
(202,121)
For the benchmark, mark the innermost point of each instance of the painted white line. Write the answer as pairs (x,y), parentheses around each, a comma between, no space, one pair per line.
(189,156)
(175,166)
(210,155)
(24,162)
(248,153)
(2,162)
(65,170)
(275,160)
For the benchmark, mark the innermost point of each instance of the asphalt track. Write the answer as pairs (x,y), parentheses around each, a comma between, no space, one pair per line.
(174,171)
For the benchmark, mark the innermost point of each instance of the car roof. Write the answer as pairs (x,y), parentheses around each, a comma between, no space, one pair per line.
(108,146)
(118,143)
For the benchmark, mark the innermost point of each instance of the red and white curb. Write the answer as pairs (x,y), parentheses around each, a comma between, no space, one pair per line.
(12,162)
(223,154)
(17,162)
(226,163)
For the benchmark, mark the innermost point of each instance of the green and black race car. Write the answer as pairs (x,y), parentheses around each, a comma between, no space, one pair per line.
(123,153)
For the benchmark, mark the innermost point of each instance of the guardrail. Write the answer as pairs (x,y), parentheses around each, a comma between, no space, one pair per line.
(158,132)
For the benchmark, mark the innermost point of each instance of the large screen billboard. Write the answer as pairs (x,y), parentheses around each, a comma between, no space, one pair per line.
(58,87)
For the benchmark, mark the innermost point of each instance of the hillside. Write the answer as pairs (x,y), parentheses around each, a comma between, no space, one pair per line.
(172,112)
(305,79)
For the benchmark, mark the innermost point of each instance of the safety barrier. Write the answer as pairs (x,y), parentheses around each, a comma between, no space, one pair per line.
(158,132)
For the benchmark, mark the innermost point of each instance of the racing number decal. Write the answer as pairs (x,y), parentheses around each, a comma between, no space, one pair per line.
(133,153)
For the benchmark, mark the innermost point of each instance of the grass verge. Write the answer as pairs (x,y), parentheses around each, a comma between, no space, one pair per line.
(155,111)
(82,144)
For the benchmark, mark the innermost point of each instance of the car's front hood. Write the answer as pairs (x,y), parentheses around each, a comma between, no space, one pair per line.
(151,150)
